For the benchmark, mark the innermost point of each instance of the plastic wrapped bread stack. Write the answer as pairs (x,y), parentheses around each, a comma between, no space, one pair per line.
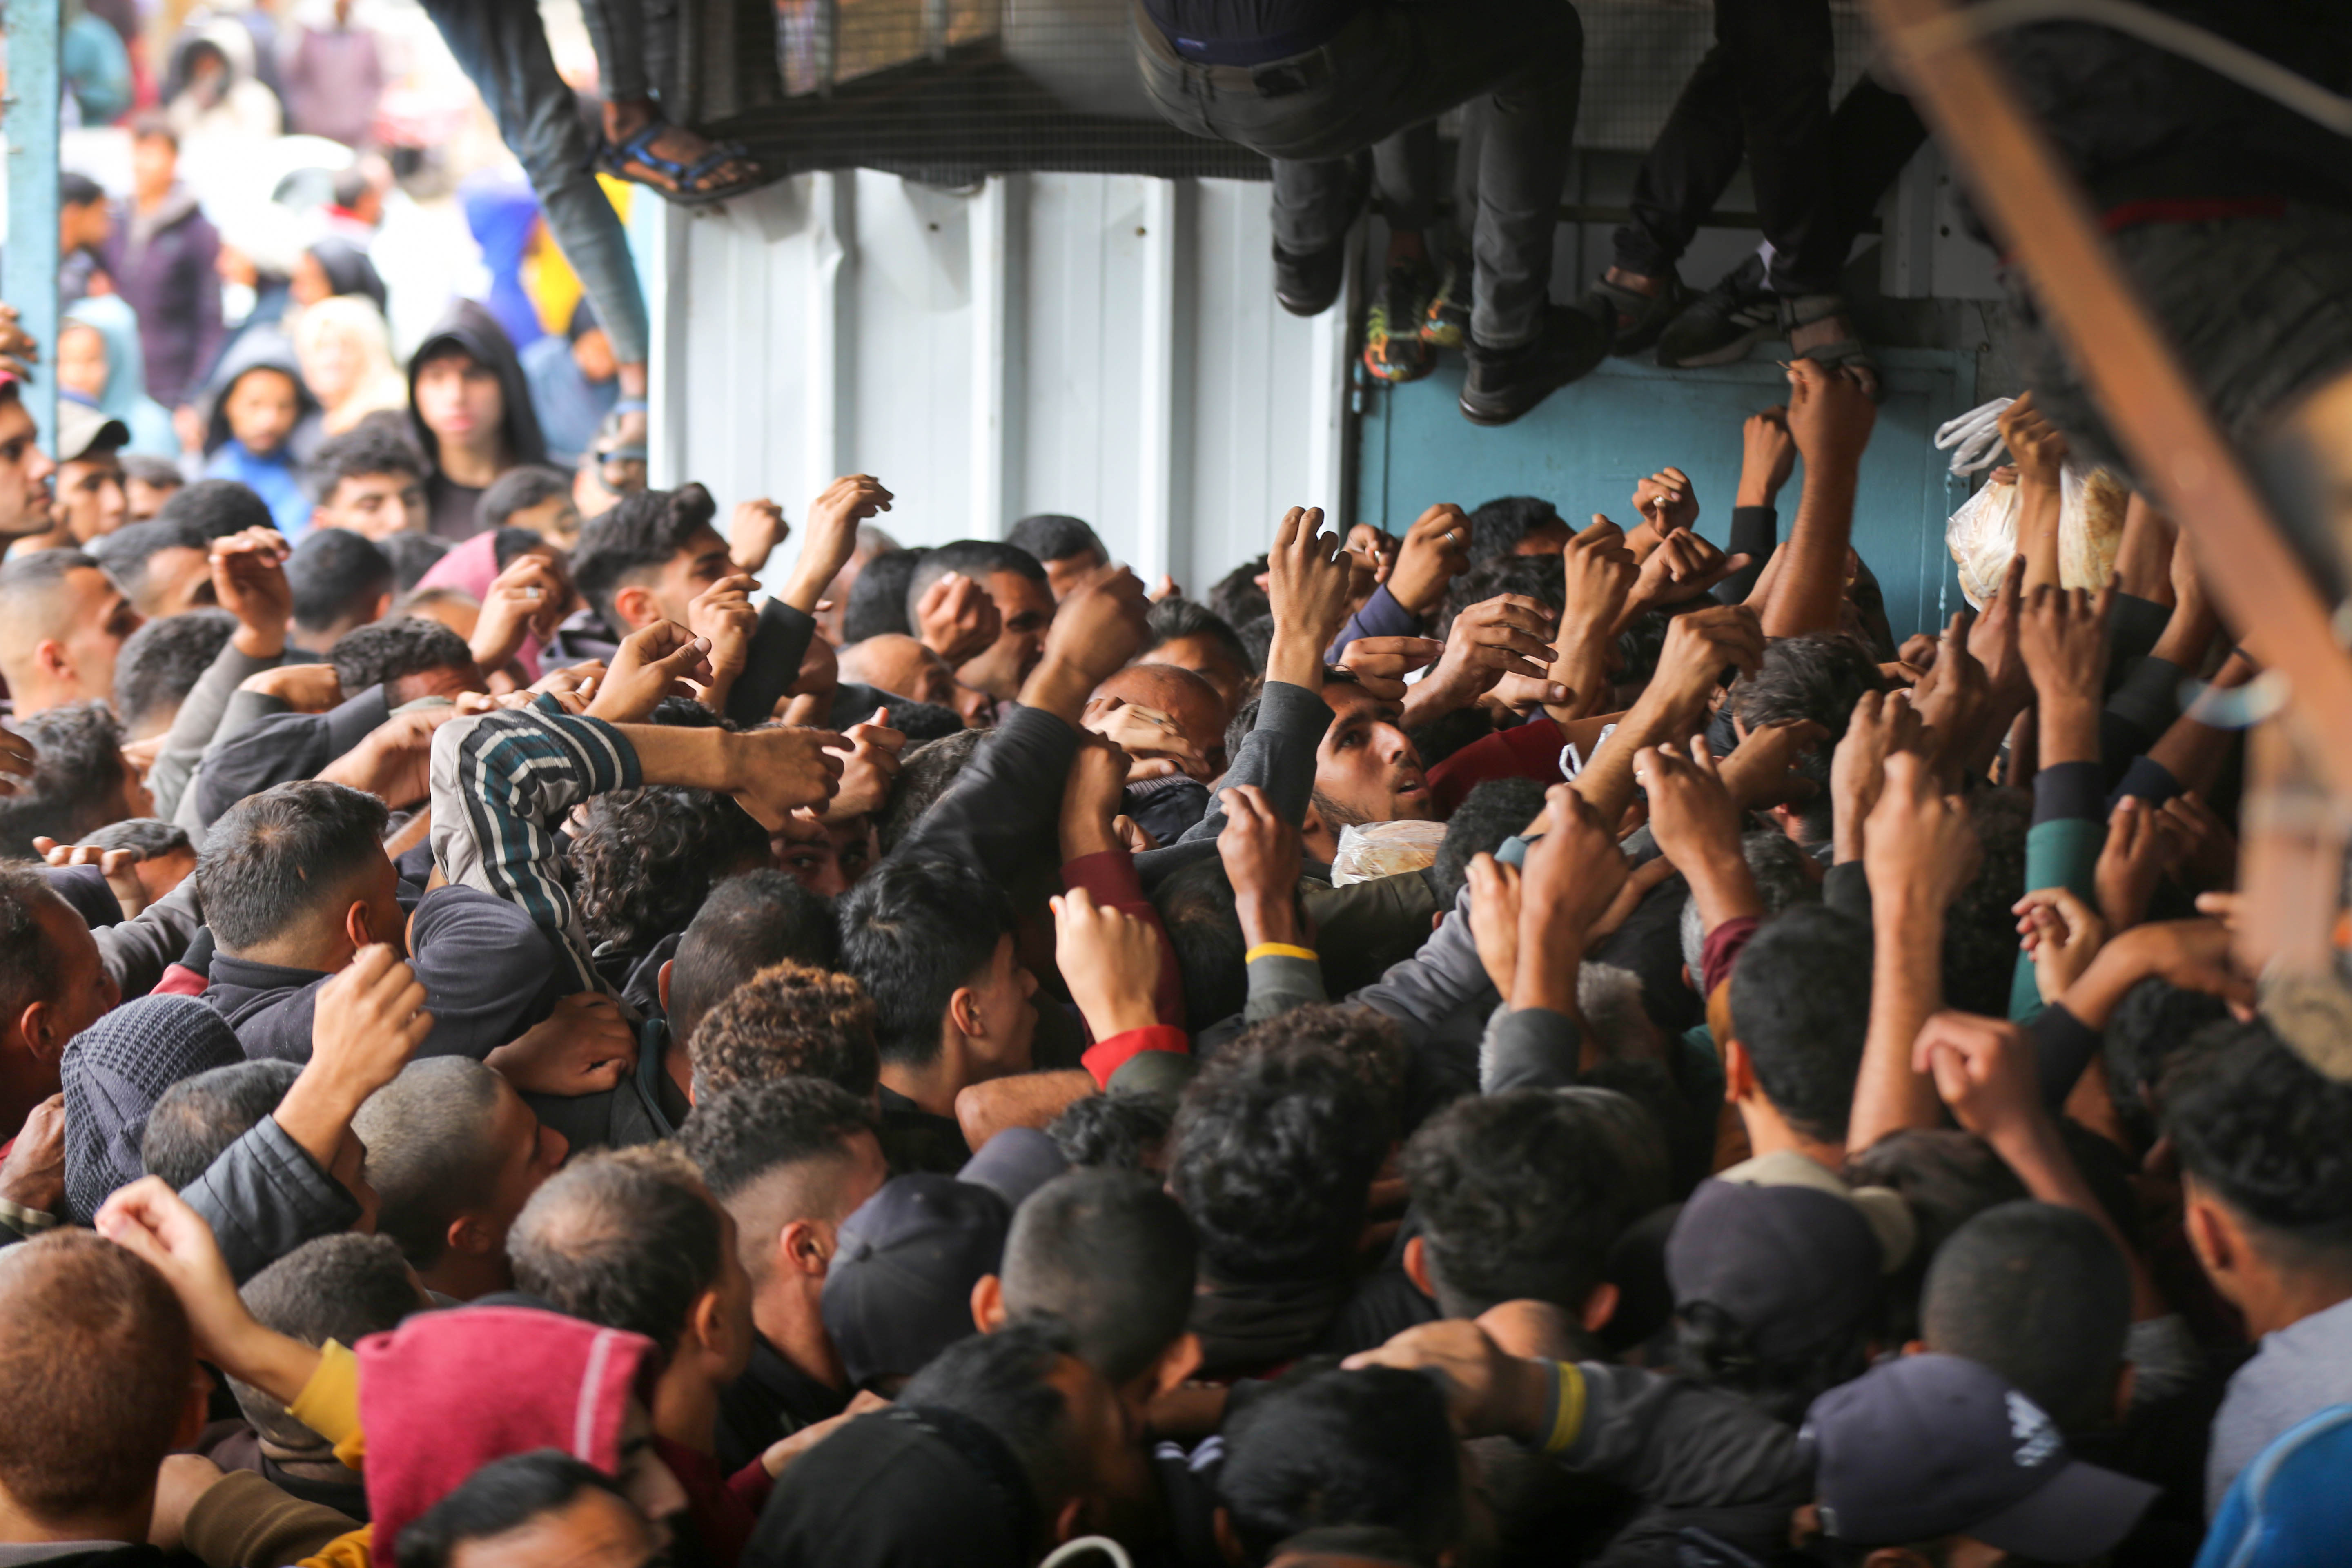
(1373,850)
(1982,534)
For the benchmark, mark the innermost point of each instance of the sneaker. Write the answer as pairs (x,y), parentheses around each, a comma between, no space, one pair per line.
(1447,323)
(1504,383)
(1722,324)
(1309,285)
(1635,318)
(1394,348)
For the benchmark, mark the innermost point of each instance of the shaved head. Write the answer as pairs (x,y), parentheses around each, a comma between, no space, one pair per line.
(1193,704)
(62,623)
(897,663)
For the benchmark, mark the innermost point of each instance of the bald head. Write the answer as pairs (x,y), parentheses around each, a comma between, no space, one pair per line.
(62,624)
(897,663)
(1198,712)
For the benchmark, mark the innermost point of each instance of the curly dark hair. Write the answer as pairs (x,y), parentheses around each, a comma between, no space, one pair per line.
(1536,577)
(1980,931)
(648,857)
(1276,1150)
(2272,1138)
(790,1020)
(1124,1130)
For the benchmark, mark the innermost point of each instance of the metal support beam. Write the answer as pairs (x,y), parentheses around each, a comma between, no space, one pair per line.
(2038,212)
(28,267)
(1155,501)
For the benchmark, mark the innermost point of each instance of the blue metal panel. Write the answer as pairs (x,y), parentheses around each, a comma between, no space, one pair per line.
(28,268)
(1587,445)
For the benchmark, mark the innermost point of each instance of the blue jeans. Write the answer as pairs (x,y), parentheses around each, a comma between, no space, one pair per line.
(500,45)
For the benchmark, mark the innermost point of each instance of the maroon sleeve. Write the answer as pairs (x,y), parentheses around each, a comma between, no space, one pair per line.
(1529,751)
(1724,945)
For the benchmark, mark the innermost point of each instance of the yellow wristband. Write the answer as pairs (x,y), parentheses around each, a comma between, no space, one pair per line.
(1568,1407)
(1279,950)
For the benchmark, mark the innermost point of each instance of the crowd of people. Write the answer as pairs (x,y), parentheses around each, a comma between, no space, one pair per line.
(1510,1043)
(531,1035)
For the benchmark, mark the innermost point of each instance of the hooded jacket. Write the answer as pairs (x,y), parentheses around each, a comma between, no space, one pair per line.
(163,264)
(470,328)
(447,1392)
(115,1071)
(125,398)
(276,477)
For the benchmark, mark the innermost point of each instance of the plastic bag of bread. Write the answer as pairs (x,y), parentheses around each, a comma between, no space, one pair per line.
(1982,534)
(1371,849)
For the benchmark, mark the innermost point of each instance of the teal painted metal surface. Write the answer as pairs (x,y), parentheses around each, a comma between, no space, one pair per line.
(29,267)
(1587,445)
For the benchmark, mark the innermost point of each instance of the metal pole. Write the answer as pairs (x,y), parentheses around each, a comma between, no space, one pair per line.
(29,266)
(2155,411)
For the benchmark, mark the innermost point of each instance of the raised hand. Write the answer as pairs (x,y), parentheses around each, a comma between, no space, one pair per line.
(2062,934)
(1493,637)
(1829,416)
(1699,648)
(1994,641)
(1109,959)
(304,688)
(33,1172)
(368,1022)
(1761,770)
(1147,735)
(1487,1392)
(1984,1069)
(1681,568)
(754,530)
(248,573)
(1436,550)
(1920,844)
(1882,723)
(1307,590)
(1768,455)
(528,598)
(1571,875)
(1954,699)
(724,617)
(119,867)
(832,537)
(655,661)
(1667,501)
(1495,919)
(956,619)
(774,771)
(583,1045)
(1381,663)
(1103,623)
(1262,859)
(2137,854)
(2038,447)
(155,1223)
(868,768)
(1091,796)
(394,762)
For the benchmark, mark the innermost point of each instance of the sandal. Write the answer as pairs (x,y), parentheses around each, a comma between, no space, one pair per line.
(686,177)
(1849,354)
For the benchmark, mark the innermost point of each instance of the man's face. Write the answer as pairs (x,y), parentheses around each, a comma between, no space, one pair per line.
(85,991)
(701,561)
(25,473)
(154,165)
(1067,573)
(147,500)
(1366,766)
(85,228)
(824,858)
(97,621)
(262,408)
(896,662)
(1204,658)
(1001,996)
(375,506)
(90,500)
(179,579)
(556,518)
(460,401)
(1026,605)
(530,1152)
(594,1529)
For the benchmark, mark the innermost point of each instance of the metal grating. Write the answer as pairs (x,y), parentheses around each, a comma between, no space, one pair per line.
(951,90)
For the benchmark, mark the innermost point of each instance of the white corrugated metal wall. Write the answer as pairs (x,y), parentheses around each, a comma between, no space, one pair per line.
(1104,345)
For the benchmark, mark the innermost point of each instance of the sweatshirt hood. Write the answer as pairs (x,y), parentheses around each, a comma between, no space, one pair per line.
(447,1392)
(470,328)
(263,348)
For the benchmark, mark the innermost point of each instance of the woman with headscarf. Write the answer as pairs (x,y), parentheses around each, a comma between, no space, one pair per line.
(99,360)
(345,353)
(221,112)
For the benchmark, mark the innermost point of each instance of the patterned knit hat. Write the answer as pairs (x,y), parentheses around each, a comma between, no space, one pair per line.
(115,1071)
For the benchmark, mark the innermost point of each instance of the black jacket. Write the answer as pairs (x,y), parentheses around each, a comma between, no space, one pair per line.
(471,328)
(489,973)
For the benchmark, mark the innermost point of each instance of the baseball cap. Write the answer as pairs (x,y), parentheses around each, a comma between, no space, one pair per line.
(1889,1215)
(1014,1164)
(1929,1445)
(1793,1266)
(900,1287)
(83,429)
